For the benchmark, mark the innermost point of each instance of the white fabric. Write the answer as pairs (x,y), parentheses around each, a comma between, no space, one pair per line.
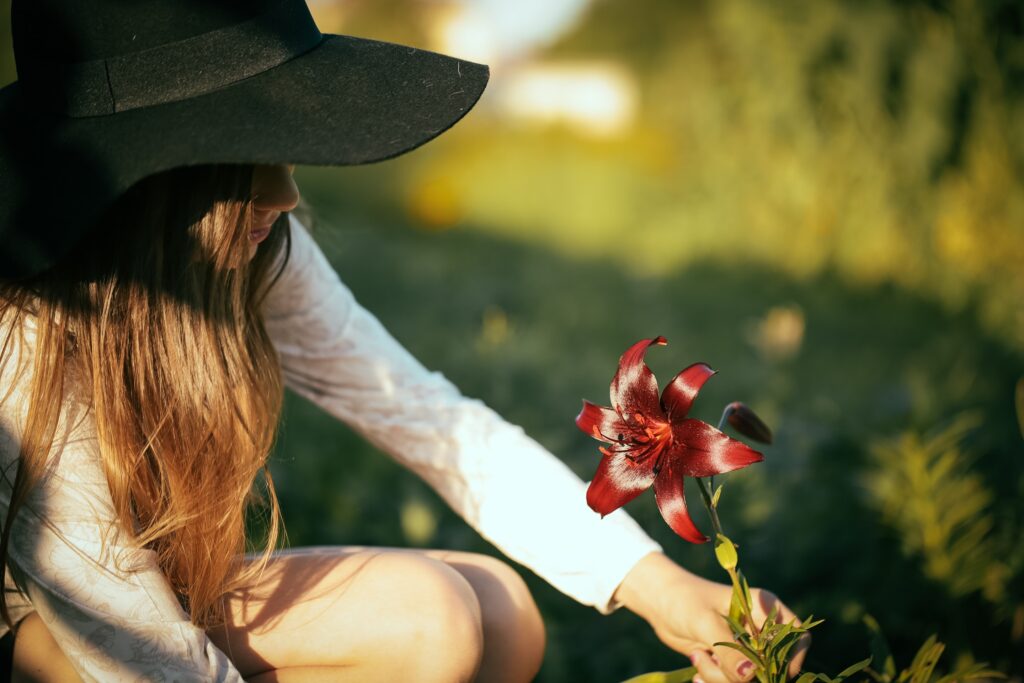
(111,609)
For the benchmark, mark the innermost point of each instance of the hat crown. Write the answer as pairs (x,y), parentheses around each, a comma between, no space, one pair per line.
(72,31)
(99,57)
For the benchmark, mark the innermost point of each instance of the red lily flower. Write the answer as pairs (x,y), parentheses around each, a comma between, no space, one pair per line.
(653,442)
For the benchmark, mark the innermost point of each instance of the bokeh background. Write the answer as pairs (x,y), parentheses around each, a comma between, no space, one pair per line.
(822,200)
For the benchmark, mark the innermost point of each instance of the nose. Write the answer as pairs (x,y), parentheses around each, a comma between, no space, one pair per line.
(273,188)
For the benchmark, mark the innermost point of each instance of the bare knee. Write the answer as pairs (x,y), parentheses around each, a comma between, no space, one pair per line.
(514,637)
(440,630)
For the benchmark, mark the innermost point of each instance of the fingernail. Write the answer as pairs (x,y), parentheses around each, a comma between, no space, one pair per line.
(745,669)
(698,679)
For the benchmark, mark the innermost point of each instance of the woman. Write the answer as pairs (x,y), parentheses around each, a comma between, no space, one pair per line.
(146,335)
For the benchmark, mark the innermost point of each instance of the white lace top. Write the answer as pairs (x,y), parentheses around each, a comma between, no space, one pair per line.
(110,607)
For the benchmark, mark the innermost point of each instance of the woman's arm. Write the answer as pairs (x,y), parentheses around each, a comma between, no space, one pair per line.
(507,486)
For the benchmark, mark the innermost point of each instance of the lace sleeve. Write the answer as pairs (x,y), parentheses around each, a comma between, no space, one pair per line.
(105,601)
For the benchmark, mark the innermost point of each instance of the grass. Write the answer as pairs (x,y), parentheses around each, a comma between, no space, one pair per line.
(532,332)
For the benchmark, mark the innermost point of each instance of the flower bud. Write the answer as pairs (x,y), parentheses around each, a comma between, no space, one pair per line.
(725,551)
(746,422)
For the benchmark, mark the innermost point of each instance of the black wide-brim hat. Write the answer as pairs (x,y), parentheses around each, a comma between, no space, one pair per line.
(112,91)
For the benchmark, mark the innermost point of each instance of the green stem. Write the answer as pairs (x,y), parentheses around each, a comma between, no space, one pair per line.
(705,485)
(748,610)
(725,416)
(706,494)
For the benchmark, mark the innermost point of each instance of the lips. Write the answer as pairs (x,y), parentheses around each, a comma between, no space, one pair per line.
(264,221)
(259,234)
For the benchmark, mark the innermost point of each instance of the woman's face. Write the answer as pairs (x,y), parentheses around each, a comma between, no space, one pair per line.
(273,192)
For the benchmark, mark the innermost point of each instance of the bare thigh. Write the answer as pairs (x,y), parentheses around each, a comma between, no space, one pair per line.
(37,657)
(372,611)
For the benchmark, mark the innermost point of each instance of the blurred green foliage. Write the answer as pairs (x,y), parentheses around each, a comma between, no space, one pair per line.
(923,667)
(881,141)
(942,510)
(821,200)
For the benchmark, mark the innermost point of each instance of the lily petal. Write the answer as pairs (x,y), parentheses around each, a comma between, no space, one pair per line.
(700,450)
(616,482)
(634,388)
(604,424)
(670,493)
(680,392)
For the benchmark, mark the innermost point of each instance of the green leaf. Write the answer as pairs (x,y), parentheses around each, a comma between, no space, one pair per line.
(924,662)
(783,649)
(736,610)
(739,603)
(774,614)
(970,673)
(780,632)
(775,650)
(679,676)
(978,671)
(725,551)
(718,494)
(810,623)
(747,651)
(855,668)
(807,678)
(746,590)
(735,626)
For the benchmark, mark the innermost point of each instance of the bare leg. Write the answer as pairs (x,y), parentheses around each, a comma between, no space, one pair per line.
(384,614)
(305,674)
(514,637)
(37,657)
(367,614)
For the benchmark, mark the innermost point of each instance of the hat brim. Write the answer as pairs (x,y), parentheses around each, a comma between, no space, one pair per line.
(347,101)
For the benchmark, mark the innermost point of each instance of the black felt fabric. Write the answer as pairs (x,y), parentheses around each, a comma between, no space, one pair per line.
(346,101)
(209,61)
(83,30)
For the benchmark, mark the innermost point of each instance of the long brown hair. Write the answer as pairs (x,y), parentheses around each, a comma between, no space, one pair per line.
(155,321)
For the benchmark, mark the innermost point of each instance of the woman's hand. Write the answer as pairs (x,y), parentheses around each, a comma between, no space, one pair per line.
(687,611)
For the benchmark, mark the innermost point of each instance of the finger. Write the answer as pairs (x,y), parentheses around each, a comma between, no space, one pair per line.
(708,670)
(712,628)
(732,664)
(736,667)
(801,648)
(679,644)
(685,646)
(765,602)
